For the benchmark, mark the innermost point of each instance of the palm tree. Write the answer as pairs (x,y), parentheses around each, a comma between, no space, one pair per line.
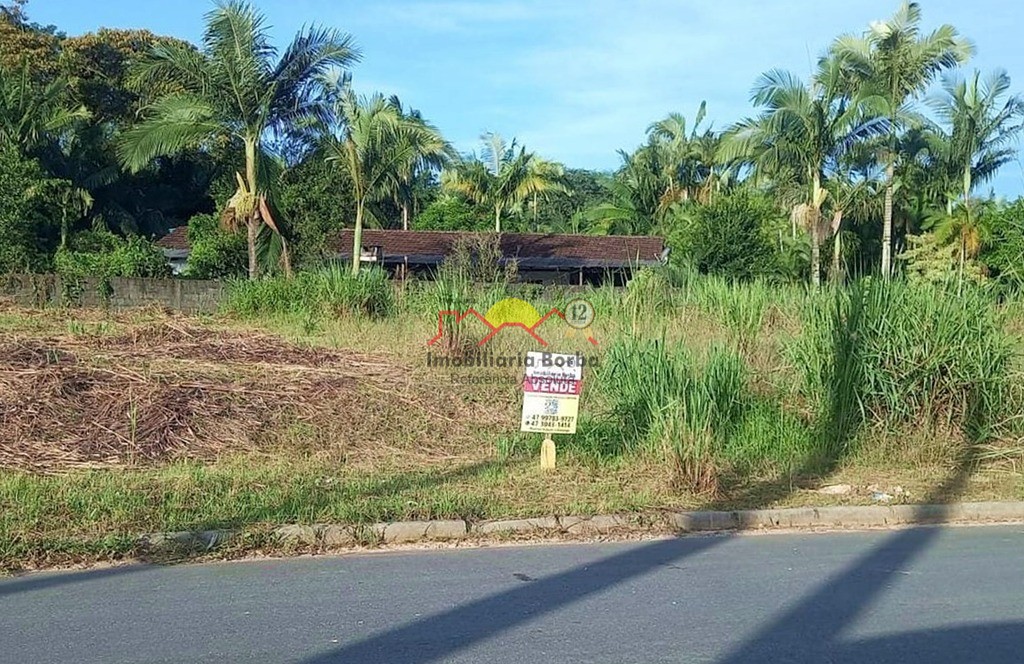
(543,170)
(895,61)
(34,118)
(687,157)
(983,125)
(966,225)
(505,177)
(635,203)
(433,154)
(378,146)
(806,129)
(236,91)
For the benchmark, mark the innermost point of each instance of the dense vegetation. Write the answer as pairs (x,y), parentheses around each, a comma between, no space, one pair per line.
(875,164)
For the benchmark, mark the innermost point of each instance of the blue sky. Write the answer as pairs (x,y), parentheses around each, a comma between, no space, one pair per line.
(575,80)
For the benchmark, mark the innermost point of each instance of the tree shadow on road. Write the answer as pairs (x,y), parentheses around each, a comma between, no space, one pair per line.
(810,631)
(46,580)
(831,608)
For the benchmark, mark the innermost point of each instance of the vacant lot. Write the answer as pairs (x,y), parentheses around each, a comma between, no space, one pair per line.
(116,425)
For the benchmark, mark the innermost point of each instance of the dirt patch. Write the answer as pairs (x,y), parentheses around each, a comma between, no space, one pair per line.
(175,390)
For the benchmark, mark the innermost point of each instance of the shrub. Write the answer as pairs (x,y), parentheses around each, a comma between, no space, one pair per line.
(449,213)
(329,291)
(663,400)
(1004,253)
(215,252)
(104,255)
(24,246)
(730,237)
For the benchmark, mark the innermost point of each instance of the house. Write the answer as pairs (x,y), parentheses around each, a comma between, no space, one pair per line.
(539,258)
(176,248)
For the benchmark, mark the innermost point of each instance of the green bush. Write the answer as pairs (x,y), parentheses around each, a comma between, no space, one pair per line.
(732,237)
(328,291)
(104,255)
(215,252)
(1004,252)
(449,213)
(25,230)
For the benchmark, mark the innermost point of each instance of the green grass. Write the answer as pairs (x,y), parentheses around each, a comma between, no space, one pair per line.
(708,394)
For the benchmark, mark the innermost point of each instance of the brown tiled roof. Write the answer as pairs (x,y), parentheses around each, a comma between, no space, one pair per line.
(176,239)
(527,249)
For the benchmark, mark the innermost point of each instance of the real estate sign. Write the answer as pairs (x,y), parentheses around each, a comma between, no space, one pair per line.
(551,392)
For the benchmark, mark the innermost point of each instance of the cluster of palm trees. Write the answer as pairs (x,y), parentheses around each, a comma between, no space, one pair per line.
(851,140)
(237,91)
(849,148)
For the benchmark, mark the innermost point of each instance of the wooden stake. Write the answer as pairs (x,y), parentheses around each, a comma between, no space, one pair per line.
(547,454)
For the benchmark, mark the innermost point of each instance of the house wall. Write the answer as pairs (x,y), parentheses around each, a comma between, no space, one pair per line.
(187,295)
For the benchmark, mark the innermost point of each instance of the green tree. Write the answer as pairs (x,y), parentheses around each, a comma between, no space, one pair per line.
(452,213)
(376,145)
(730,237)
(634,195)
(236,91)
(1004,253)
(35,117)
(506,176)
(98,66)
(215,252)
(23,42)
(24,215)
(807,128)
(894,60)
(689,158)
(317,199)
(983,123)
(433,153)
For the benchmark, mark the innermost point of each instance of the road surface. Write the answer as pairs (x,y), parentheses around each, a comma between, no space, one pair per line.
(921,595)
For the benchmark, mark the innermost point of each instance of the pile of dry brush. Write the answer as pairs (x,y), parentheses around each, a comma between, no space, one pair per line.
(174,390)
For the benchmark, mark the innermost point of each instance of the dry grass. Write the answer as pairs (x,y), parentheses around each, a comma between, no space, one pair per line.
(113,425)
(175,390)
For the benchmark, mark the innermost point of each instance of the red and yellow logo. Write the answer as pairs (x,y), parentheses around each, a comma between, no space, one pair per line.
(512,312)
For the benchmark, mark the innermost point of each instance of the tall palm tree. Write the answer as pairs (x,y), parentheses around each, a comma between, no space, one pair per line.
(896,61)
(235,90)
(543,170)
(377,145)
(982,125)
(807,128)
(433,154)
(506,176)
(687,157)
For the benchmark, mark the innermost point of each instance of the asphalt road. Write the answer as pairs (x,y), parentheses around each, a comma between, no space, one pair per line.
(924,595)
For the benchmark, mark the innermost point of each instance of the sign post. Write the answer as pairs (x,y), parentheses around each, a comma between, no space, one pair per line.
(551,398)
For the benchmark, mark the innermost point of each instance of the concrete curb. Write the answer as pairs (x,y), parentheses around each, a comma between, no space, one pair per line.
(333,536)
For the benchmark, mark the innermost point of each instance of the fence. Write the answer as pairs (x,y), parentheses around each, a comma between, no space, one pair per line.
(41,290)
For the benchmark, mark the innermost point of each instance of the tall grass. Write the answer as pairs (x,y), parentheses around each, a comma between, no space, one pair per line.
(663,401)
(332,290)
(891,355)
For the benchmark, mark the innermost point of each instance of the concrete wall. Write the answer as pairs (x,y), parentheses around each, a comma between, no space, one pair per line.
(40,290)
